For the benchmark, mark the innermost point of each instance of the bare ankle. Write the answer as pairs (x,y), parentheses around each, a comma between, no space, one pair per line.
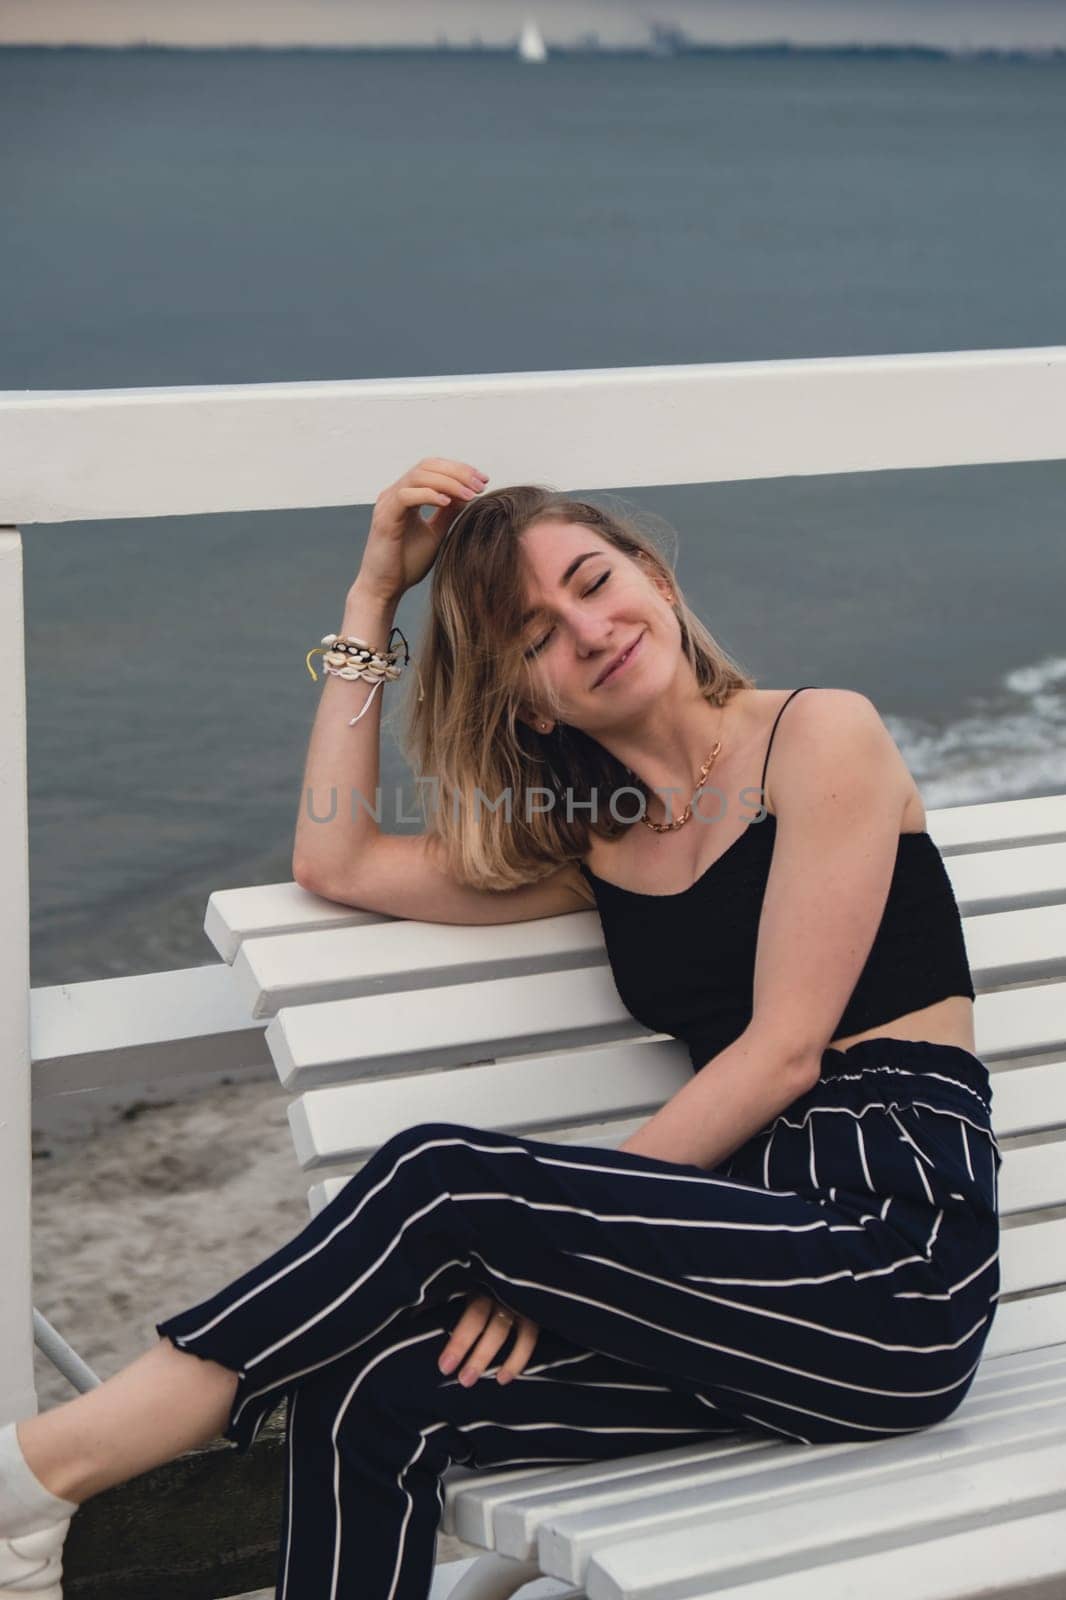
(57,1473)
(164,1403)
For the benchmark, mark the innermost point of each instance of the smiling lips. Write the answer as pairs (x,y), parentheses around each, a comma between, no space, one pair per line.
(625,657)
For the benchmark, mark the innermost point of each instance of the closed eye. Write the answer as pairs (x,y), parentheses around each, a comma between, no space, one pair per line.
(539,646)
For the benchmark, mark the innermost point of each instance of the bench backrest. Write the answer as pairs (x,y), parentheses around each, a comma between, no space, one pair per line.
(378,1023)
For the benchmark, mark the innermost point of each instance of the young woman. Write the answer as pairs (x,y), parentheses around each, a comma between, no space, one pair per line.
(803,1241)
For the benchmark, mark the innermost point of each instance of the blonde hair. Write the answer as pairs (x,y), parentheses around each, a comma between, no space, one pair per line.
(465,733)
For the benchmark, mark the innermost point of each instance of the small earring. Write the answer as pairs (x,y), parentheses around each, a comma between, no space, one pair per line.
(545,727)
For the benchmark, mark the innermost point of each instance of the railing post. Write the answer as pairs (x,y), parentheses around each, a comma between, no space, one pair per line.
(18,1397)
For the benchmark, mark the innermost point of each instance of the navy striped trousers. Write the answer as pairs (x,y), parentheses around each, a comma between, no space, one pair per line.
(834,1279)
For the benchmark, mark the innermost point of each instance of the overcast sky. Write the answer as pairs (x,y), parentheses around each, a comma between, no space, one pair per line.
(955,24)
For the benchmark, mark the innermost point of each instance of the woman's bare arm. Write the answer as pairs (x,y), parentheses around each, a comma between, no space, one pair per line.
(343,761)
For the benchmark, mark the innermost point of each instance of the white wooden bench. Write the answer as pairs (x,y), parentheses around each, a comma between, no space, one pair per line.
(520,1028)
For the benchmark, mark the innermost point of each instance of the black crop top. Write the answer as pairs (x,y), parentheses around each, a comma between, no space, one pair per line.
(684,963)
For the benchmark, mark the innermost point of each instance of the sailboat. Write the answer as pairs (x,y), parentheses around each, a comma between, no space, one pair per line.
(531,46)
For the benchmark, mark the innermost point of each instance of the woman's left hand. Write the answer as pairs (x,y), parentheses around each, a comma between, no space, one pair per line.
(485,1329)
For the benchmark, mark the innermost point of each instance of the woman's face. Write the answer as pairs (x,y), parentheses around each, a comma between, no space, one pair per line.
(588,603)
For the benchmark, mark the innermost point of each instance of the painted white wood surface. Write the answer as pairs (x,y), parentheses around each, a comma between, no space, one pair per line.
(997,824)
(469,1580)
(1029,1099)
(512,1513)
(563,1515)
(1030,1323)
(892,1482)
(83,454)
(732,1548)
(1001,1483)
(188,1023)
(1020,876)
(1017,946)
(546,1091)
(594,1512)
(297,968)
(1031,1257)
(1020,1021)
(236,914)
(1020,1560)
(18,1396)
(350,1121)
(448,1027)
(477,1504)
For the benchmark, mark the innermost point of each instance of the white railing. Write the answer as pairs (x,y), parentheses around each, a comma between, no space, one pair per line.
(87,455)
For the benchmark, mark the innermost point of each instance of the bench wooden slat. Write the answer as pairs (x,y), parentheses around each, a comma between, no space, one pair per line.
(994,880)
(453,1026)
(517,1518)
(338,1123)
(347,1122)
(305,968)
(1016,1022)
(1033,1178)
(460,1024)
(885,1490)
(1003,1557)
(262,909)
(999,824)
(1016,946)
(1029,1323)
(1028,1099)
(188,1023)
(1028,1255)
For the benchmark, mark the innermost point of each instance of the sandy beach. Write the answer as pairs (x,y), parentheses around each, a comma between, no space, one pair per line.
(154,1211)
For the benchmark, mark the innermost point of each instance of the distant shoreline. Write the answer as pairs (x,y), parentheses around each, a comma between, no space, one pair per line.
(1055,53)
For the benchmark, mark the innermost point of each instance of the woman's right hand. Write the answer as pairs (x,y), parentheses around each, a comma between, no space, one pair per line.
(402,544)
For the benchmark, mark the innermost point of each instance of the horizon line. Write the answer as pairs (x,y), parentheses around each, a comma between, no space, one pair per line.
(682,48)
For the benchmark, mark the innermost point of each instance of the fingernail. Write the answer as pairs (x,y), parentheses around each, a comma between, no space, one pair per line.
(447,1363)
(467,1378)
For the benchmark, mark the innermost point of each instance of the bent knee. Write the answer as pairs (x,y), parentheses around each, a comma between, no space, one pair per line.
(406,1374)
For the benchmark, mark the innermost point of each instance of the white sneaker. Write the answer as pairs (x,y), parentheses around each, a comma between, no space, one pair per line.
(32,1563)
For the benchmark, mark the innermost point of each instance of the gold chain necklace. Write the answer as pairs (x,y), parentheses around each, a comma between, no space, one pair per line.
(679,822)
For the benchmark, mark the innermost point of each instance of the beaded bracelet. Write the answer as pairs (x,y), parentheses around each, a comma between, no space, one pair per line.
(346,656)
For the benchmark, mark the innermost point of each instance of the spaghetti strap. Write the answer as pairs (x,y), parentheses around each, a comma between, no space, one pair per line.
(773,730)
